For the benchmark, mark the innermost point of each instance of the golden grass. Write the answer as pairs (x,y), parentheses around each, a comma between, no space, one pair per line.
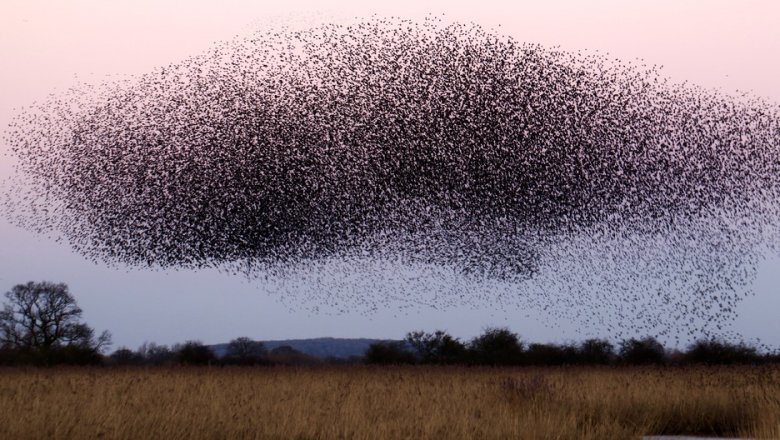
(396,402)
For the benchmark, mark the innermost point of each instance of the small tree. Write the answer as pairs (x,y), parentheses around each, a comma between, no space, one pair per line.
(153,354)
(714,351)
(596,351)
(497,346)
(287,355)
(388,353)
(43,322)
(125,356)
(642,351)
(550,354)
(194,353)
(436,348)
(245,351)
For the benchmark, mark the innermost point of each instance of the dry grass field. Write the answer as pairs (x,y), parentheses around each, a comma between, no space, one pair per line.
(394,402)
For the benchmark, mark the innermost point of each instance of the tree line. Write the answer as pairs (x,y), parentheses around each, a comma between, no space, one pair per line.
(40,324)
(242,351)
(499,346)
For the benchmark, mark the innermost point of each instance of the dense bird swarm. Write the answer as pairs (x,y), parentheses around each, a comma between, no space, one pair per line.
(359,160)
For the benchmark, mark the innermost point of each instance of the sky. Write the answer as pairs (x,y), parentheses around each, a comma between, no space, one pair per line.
(47,46)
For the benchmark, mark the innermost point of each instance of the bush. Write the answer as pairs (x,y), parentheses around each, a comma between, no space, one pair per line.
(245,351)
(436,348)
(388,353)
(643,351)
(7,355)
(720,352)
(596,352)
(286,355)
(496,346)
(125,356)
(64,355)
(194,353)
(154,354)
(550,354)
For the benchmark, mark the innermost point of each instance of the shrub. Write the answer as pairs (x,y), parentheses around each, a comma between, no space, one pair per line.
(436,348)
(154,354)
(194,353)
(286,355)
(388,353)
(643,351)
(595,352)
(550,354)
(496,346)
(245,351)
(720,352)
(125,356)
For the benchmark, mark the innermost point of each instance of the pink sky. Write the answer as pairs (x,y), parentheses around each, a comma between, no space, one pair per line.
(716,43)
(46,45)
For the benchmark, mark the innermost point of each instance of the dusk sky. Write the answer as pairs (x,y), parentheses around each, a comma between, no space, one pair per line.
(46,47)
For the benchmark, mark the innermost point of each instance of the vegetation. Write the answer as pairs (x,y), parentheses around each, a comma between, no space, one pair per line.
(720,352)
(436,348)
(245,351)
(389,353)
(643,351)
(492,386)
(195,353)
(501,347)
(389,402)
(40,324)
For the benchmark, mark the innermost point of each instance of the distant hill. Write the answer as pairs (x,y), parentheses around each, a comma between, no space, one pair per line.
(320,347)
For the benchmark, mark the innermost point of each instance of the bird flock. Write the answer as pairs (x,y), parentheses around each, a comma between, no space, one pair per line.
(416,161)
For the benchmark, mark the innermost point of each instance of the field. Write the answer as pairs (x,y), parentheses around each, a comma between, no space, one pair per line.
(388,402)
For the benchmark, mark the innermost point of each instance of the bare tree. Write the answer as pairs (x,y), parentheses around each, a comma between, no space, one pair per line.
(42,316)
(155,354)
(245,351)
